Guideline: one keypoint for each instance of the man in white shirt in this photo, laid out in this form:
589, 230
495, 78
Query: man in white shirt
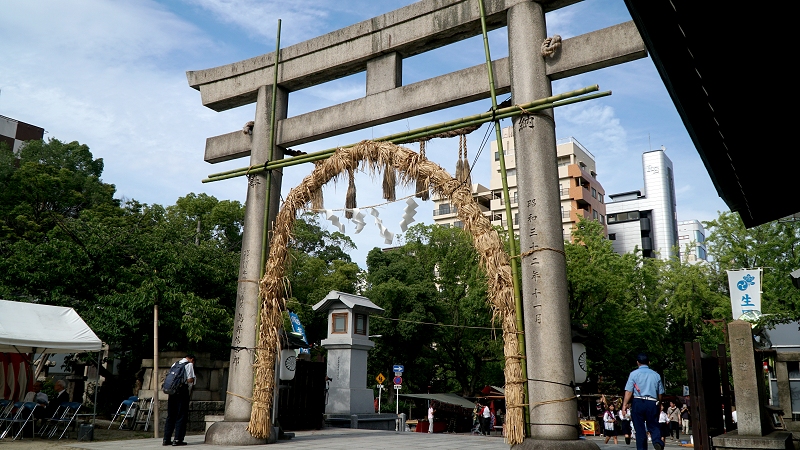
487, 423
36, 394
431, 411
178, 404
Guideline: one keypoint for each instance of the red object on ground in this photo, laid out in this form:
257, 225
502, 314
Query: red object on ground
438, 427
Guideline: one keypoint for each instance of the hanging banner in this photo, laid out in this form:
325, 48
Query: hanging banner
297, 327
745, 288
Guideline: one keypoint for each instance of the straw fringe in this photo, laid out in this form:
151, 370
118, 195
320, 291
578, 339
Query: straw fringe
389, 183
317, 200
375, 156
467, 176
350, 199
422, 187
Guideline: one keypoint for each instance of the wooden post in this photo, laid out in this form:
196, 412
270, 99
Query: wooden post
154, 377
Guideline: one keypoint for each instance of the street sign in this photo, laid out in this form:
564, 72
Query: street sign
398, 380
380, 378
397, 368
397, 387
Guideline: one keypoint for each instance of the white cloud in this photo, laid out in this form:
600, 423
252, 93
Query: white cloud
259, 18
598, 125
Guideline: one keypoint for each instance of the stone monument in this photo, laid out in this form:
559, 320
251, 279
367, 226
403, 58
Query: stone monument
349, 402
755, 428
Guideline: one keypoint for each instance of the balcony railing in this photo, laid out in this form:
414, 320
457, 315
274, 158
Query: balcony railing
444, 212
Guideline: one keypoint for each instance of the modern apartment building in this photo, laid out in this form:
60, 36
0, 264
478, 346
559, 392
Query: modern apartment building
581, 193
14, 133
646, 219
691, 241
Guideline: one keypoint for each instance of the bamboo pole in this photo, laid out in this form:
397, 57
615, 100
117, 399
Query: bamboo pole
154, 376
419, 133
272, 151
512, 241
462, 122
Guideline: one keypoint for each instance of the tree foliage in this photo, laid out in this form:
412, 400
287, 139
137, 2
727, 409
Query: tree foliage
628, 304
65, 241
319, 263
434, 278
775, 246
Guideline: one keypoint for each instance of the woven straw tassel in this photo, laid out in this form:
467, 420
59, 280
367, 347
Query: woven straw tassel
460, 164
317, 200
350, 200
389, 183
467, 176
422, 188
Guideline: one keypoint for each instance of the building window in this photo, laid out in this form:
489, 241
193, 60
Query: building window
339, 323
360, 326
516, 219
612, 236
602, 219
623, 217
458, 224
600, 197
595, 216
594, 193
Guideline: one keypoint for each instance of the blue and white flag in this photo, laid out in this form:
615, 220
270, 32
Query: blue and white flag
297, 327
745, 288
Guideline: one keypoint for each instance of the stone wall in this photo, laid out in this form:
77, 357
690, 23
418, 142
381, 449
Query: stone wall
208, 394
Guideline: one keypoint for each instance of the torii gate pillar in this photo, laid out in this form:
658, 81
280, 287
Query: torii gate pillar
233, 430
548, 335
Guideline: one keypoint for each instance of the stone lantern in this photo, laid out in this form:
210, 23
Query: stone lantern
347, 344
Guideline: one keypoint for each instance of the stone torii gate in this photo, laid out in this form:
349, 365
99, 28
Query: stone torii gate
378, 47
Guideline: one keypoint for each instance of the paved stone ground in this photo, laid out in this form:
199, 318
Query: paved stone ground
333, 439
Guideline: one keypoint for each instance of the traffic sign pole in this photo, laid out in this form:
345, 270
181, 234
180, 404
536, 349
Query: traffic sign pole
380, 391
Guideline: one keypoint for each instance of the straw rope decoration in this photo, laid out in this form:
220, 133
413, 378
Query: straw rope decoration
373, 157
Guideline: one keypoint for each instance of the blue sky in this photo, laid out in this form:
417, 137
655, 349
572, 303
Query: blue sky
111, 74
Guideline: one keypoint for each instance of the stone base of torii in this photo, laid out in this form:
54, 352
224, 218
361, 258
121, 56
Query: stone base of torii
378, 47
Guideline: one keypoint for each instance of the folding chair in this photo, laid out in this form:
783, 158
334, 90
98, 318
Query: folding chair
7, 413
6, 406
143, 413
127, 409
50, 422
23, 415
70, 412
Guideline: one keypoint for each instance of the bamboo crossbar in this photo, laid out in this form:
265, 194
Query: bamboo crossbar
555, 101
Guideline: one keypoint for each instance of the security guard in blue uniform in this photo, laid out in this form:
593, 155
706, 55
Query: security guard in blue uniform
643, 392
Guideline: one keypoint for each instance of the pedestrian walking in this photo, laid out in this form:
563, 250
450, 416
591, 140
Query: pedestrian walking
431, 411
486, 417
610, 421
674, 416
663, 422
685, 418
625, 425
642, 393
178, 402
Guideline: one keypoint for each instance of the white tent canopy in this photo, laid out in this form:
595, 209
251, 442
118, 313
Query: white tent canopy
35, 328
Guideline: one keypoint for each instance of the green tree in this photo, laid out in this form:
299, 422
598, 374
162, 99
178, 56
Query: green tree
47, 183
436, 278
613, 300
319, 263
775, 246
